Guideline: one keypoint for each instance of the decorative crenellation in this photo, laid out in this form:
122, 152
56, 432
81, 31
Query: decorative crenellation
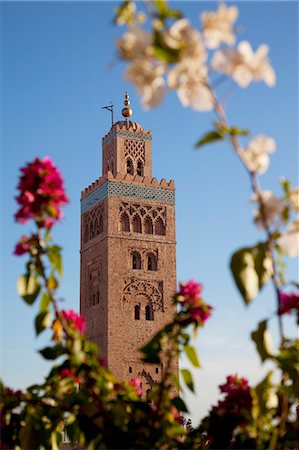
147, 189
93, 222
137, 291
129, 130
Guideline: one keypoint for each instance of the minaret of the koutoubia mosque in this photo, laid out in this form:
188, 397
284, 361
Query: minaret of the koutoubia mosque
128, 252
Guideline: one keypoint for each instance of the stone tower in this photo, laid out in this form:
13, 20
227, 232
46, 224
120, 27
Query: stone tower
128, 252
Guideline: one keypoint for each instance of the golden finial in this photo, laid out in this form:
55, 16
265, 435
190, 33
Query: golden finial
126, 111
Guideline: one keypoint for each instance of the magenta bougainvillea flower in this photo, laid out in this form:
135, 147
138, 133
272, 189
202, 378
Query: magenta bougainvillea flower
135, 382
41, 193
238, 398
74, 319
189, 298
190, 290
288, 302
23, 246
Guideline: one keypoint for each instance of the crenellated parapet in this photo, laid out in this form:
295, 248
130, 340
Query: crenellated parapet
127, 129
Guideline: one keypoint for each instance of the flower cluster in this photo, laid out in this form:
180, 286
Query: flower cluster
69, 373
177, 56
136, 383
238, 399
288, 302
74, 320
193, 306
256, 155
23, 246
41, 193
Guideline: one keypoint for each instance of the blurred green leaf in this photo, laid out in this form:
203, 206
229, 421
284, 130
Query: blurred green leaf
42, 321
251, 268
52, 283
187, 377
179, 404
54, 253
52, 352
28, 287
265, 394
262, 340
166, 54
234, 131
192, 355
208, 138
44, 302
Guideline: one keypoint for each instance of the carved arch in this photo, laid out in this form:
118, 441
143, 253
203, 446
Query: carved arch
143, 288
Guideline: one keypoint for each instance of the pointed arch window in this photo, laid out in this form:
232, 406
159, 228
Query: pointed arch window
139, 168
91, 231
149, 314
137, 312
137, 228
97, 228
136, 261
148, 226
124, 222
160, 227
130, 168
151, 262
101, 224
86, 233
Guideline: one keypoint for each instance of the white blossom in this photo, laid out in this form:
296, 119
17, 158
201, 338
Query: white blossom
244, 65
289, 241
147, 76
294, 199
135, 43
189, 81
190, 73
256, 155
217, 27
272, 207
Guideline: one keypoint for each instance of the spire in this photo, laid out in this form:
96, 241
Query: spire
126, 111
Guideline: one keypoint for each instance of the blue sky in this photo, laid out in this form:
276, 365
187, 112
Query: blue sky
59, 67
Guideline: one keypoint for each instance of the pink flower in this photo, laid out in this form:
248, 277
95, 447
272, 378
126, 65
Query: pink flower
23, 246
233, 384
66, 373
288, 302
135, 382
41, 193
74, 319
190, 290
201, 313
238, 401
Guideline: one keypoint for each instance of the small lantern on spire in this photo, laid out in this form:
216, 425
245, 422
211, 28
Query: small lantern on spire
126, 111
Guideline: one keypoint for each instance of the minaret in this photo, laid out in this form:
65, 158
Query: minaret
128, 252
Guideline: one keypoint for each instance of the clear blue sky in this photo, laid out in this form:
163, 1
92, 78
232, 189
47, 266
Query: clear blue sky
59, 67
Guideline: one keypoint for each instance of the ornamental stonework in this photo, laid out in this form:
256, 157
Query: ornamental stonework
152, 292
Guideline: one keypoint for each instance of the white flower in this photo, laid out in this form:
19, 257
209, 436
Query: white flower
272, 207
244, 65
135, 43
148, 79
189, 81
256, 155
218, 26
183, 37
289, 241
294, 199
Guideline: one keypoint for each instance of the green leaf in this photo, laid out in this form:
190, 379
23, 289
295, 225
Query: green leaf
54, 254
244, 273
234, 131
44, 302
192, 355
265, 394
52, 282
42, 321
166, 54
187, 377
208, 138
52, 352
262, 340
251, 268
179, 404
28, 287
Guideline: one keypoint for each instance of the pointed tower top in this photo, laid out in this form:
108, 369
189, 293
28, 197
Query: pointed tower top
126, 111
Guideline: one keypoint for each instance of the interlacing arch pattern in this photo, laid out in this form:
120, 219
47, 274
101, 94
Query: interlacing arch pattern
134, 157
145, 219
143, 289
93, 223
109, 163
